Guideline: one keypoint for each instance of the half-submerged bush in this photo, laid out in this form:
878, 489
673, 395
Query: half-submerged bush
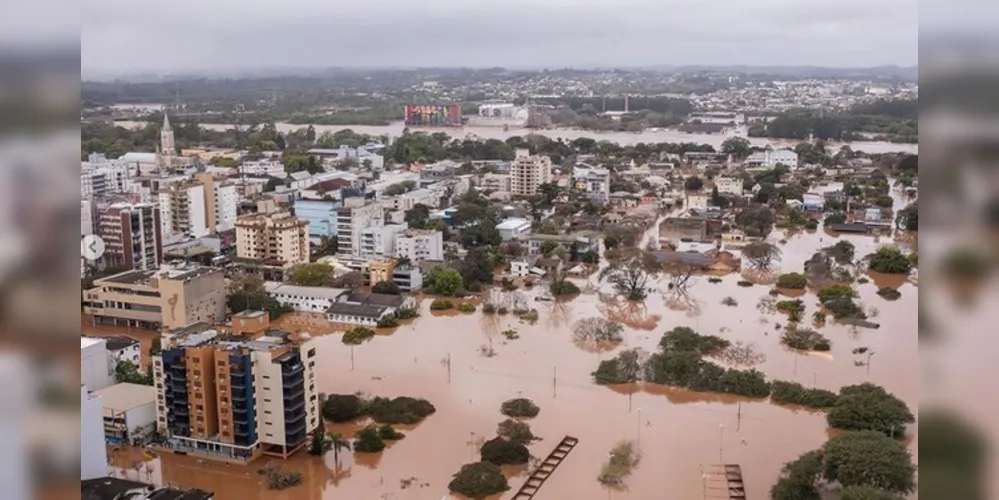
625, 368
621, 460
520, 408
744, 283
890, 260
441, 305
563, 287
280, 479
479, 480
339, 408
466, 307
357, 335
869, 407
502, 452
793, 393
407, 313
488, 308
368, 440
792, 281
515, 431
805, 339
388, 321
387, 433
889, 293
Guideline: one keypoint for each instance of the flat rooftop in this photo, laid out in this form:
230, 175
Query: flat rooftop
319, 292
124, 397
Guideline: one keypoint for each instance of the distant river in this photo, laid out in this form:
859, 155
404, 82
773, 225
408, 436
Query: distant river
623, 138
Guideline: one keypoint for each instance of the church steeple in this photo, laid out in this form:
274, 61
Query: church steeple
167, 149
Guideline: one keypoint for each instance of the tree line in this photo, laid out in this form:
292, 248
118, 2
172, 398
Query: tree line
889, 120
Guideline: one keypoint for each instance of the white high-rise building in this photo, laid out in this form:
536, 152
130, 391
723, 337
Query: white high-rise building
93, 449
95, 365
352, 220
183, 211
527, 172
419, 245
226, 203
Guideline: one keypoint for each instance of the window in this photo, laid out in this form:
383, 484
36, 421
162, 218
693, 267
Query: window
267, 376
267, 401
312, 352
267, 412
201, 419
199, 407
221, 363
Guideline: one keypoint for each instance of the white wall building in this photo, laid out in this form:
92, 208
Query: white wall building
129, 412
351, 220
420, 244
513, 228
594, 181
770, 158
729, 185
86, 217
495, 182
93, 452
304, 298
183, 211
226, 204
263, 167
697, 201
379, 241
527, 172
95, 366
123, 348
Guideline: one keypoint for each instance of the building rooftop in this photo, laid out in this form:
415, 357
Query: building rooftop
513, 224
360, 310
109, 488
177, 494
124, 397
86, 342
119, 342
321, 292
379, 299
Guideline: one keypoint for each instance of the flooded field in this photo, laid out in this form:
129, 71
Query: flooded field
676, 431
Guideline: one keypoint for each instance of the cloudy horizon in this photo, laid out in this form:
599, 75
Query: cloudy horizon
122, 37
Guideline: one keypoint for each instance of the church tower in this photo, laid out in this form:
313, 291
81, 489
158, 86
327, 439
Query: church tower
167, 148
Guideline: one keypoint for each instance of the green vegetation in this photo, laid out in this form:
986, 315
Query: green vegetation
478, 480
502, 452
792, 281
368, 440
793, 308
520, 408
625, 368
386, 287
339, 408
839, 300
795, 394
313, 274
444, 281
388, 321
466, 307
515, 431
387, 433
407, 313
357, 335
889, 293
805, 339
869, 466
890, 260
441, 305
562, 288
869, 407
125, 372
893, 120
246, 293
280, 479
621, 460
488, 308
683, 338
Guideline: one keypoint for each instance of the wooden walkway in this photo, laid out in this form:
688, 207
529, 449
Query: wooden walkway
545, 470
723, 482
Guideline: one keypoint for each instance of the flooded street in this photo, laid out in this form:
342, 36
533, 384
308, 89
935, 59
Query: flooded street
677, 431
622, 138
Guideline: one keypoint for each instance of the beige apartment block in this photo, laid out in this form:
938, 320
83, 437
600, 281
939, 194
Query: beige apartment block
279, 239
527, 172
169, 297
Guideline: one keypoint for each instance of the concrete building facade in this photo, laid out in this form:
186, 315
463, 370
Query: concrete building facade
279, 239
132, 235
418, 245
527, 172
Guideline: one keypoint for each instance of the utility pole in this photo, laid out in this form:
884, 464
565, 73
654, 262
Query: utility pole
638, 441
554, 381
869, 354
351, 358
721, 443
449, 367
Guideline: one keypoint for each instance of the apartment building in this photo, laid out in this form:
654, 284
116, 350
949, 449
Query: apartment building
132, 235
593, 181
320, 214
270, 168
495, 182
527, 172
419, 244
233, 399
221, 201
278, 239
729, 185
169, 297
379, 241
100, 175
352, 219
86, 217
770, 158
183, 208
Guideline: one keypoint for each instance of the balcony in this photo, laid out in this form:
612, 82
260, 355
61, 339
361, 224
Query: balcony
291, 407
293, 370
293, 393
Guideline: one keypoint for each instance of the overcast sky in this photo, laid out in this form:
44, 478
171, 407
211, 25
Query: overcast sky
146, 36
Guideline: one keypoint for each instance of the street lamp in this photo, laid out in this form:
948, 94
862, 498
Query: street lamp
639, 440
721, 443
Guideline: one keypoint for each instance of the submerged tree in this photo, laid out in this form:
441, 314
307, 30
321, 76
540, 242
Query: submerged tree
596, 331
630, 278
761, 254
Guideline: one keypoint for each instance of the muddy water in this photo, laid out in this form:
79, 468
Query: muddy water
677, 431
623, 138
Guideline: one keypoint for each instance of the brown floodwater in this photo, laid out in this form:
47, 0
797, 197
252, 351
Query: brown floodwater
678, 432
